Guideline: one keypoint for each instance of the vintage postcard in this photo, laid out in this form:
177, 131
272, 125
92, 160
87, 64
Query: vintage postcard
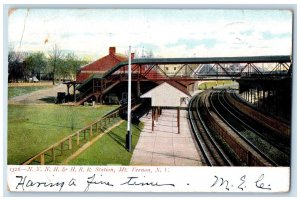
149, 100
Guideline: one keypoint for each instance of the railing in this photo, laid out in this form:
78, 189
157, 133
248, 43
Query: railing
91, 129
85, 94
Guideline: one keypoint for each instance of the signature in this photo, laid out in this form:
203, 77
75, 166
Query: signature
221, 182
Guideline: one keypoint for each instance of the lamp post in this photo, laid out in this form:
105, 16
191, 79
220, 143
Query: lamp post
128, 135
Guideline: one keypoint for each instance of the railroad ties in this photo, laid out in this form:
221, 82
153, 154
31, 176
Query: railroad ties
228, 137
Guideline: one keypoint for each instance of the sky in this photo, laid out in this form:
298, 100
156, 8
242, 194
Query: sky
165, 32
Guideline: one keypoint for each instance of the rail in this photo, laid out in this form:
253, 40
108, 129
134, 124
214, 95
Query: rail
279, 127
205, 140
221, 153
263, 133
197, 135
242, 136
85, 94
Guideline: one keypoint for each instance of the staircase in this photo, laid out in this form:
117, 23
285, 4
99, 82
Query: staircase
86, 98
107, 89
89, 93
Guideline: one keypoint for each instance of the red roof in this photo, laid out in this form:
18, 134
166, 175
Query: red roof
82, 76
101, 65
104, 64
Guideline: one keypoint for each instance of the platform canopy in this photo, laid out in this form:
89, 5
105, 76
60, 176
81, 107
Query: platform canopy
165, 95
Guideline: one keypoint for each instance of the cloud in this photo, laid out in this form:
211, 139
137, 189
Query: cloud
248, 32
267, 35
192, 43
182, 33
147, 46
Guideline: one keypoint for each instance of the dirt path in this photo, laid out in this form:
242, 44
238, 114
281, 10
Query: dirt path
43, 96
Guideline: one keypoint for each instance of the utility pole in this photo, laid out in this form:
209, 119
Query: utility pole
128, 135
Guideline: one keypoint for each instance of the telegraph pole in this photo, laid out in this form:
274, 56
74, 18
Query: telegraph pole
128, 135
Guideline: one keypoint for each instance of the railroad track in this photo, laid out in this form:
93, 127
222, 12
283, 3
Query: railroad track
251, 136
276, 127
262, 131
211, 152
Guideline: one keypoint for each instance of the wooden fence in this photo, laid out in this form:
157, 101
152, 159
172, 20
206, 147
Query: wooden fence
89, 130
29, 84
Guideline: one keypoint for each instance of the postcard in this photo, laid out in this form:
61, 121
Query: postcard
149, 100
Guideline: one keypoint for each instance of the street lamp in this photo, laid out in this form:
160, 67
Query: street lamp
128, 135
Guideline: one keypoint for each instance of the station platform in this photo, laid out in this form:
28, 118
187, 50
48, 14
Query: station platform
165, 146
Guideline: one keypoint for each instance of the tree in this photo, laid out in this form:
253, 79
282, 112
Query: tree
55, 58
15, 65
35, 64
73, 64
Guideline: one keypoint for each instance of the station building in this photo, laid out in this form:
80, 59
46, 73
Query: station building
92, 85
101, 65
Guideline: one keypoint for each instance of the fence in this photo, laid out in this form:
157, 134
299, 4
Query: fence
79, 136
29, 84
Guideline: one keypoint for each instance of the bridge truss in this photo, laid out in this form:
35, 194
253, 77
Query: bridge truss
186, 71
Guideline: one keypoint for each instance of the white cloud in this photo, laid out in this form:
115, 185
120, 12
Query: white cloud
94, 31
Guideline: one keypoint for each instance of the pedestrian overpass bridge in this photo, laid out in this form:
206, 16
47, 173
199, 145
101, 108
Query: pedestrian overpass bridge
185, 71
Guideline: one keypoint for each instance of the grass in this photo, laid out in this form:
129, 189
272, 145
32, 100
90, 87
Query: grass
17, 91
110, 149
211, 84
61, 157
32, 128
272, 152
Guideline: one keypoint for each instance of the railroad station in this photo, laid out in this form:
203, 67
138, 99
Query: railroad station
161, 99
195, 111
244, 123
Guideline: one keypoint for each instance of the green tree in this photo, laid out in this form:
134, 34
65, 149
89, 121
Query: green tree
73, 64
55, 60
16, 69
36, 64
